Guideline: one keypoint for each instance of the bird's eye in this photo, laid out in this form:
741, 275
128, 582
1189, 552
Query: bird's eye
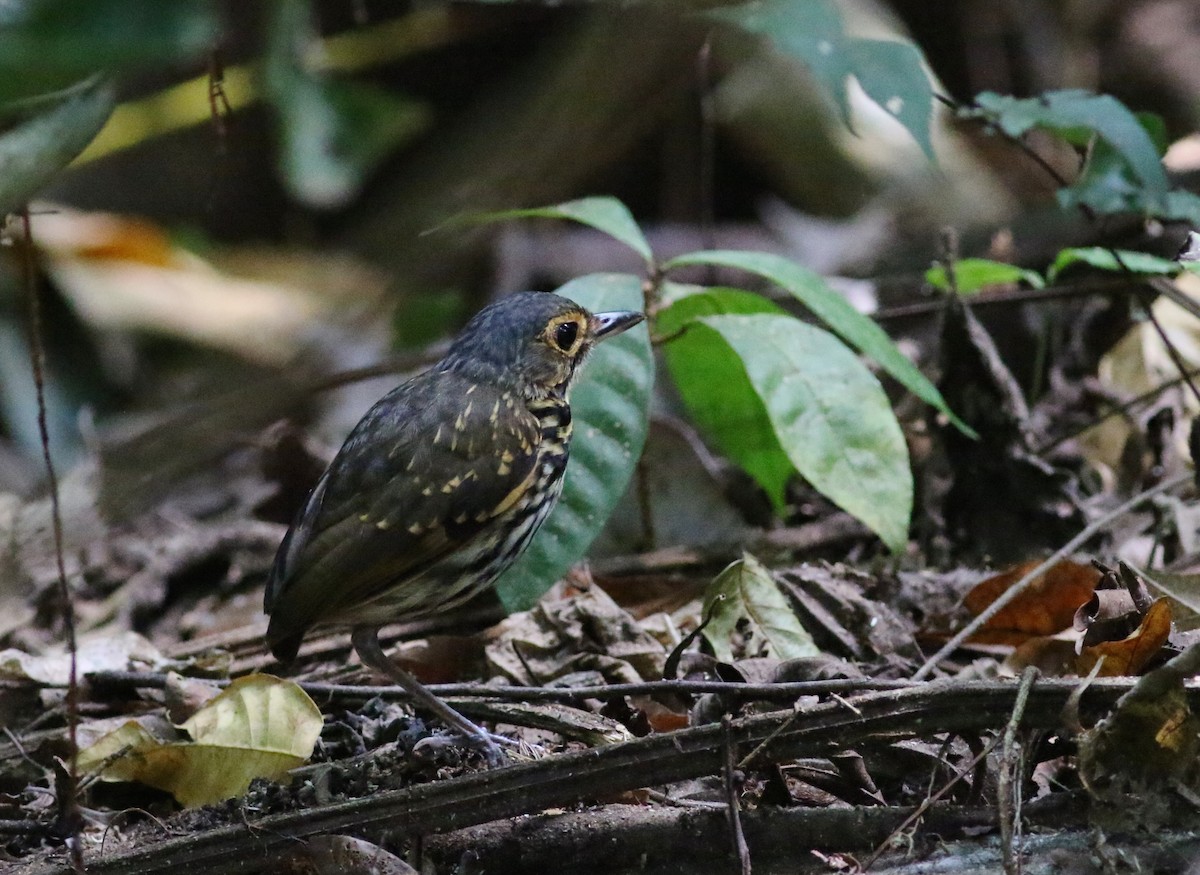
565, 335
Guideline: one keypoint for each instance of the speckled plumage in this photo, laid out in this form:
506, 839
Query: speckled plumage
445, 480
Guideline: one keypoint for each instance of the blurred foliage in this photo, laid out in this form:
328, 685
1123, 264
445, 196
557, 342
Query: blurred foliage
557, 125
1122, 171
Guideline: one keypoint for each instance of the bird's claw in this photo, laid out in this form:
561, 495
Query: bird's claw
486, 743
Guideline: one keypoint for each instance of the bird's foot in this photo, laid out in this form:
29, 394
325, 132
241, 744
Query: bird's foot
487, 743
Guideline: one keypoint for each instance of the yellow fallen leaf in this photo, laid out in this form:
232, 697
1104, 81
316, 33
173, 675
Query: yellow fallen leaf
259, 727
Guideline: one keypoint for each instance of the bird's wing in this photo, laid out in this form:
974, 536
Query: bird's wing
415, 480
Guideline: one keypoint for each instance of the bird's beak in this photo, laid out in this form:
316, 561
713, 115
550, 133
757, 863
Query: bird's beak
611, 324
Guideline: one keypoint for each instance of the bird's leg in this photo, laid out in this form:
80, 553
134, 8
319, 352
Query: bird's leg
366, 643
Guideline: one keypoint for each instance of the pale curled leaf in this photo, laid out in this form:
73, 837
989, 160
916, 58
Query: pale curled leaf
97, 652
610, 414
259, 727
746, 589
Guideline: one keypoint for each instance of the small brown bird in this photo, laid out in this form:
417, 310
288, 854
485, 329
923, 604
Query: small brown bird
440, 487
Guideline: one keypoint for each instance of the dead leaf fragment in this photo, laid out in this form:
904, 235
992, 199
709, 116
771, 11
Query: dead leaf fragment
580, 630
100, 651
343, 855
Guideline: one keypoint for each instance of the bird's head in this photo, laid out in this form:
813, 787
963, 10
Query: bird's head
532, 342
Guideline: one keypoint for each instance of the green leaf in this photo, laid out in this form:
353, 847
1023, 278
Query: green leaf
1102, 258
333, 134
610, 409
834, 310
1077, 116
893, 75
890, 72
746, 590
713, 385
1107, 183
605, 214
830, 414
810, 31
47, 44
973, 274
36, 149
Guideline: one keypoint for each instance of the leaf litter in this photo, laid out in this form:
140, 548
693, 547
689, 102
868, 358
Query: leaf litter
193, 567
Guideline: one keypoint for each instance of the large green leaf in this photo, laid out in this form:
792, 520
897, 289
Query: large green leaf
35, 150
830, 414
712, 382
835, 311
606, 214
610, 410
808, 30
746, 590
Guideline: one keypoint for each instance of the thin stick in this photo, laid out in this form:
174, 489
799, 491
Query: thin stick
1023, 584
1008, 791
733, 810
72, 817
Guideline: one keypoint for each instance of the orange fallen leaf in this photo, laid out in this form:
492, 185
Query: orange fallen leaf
1129, 655
1046, 607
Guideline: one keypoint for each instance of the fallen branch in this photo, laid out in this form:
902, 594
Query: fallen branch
567, 779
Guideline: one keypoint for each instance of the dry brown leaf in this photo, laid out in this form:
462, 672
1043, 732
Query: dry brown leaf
1046, 607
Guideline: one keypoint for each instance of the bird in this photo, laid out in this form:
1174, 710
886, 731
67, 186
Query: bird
439, 487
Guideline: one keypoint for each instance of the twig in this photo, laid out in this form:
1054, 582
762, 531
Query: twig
122, 680
71, 818
1021, 585
834, 529
733, 809
1013, 297
1008, 792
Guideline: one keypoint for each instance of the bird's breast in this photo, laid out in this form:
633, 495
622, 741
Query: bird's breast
553, 416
